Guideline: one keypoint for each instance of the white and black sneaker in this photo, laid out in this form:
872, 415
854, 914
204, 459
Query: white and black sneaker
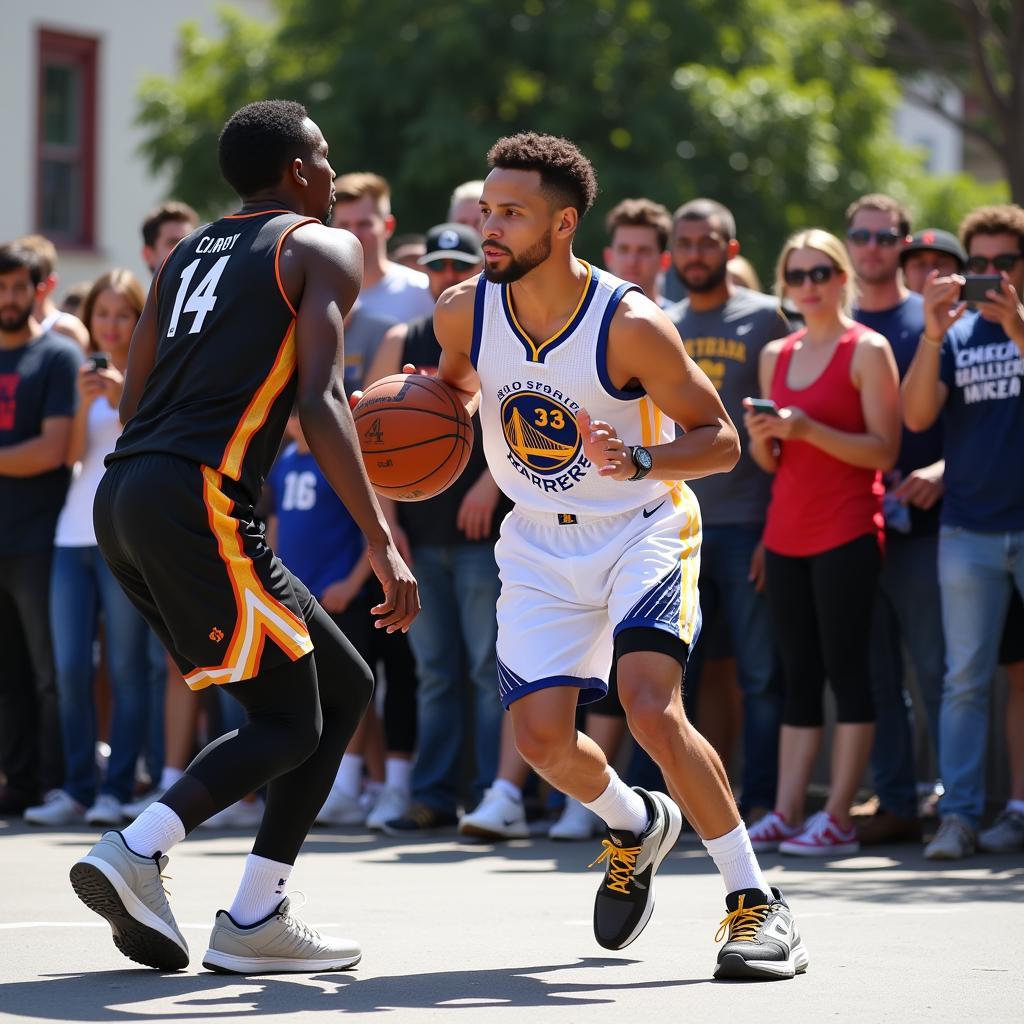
625, 900
762, 940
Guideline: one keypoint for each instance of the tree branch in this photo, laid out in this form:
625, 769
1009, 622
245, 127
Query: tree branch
934, 104
977, 21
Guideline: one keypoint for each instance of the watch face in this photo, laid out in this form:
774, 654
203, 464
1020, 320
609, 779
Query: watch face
642, 457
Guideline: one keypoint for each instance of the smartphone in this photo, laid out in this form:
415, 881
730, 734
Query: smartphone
100, 361
976, 285
763, 405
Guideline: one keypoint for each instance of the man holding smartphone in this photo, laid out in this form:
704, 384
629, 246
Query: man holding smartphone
907, 611
971, 369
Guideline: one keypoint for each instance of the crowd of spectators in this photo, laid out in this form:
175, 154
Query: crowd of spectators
875, 522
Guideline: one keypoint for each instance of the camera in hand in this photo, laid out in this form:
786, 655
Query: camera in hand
99, 361
976, 286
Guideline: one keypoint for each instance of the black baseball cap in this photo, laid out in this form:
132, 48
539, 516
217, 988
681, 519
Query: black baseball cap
453, 242
935, 240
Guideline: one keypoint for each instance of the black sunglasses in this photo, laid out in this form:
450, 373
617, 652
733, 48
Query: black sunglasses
1004, 263
861, 236
439, 265
818, 275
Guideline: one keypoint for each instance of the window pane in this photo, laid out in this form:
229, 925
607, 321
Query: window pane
61, 199
62, 104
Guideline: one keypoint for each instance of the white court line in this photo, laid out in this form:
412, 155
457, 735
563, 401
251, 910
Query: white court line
14, 925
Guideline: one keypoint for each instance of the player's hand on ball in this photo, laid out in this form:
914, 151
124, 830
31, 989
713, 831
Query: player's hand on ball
401, 602
604, 448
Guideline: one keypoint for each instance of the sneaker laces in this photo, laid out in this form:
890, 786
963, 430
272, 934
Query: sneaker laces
742, 923
621, 864
817, 826
296, 925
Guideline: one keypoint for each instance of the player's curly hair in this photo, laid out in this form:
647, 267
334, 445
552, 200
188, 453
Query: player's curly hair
567, 176
993, 220
259, 141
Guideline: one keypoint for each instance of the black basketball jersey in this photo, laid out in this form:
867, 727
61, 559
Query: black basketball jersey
224, 379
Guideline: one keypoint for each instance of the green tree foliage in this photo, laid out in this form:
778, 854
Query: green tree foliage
776, 108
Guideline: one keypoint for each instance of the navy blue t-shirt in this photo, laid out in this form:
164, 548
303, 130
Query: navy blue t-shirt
37, 382
902, 326
316, 537
984, 421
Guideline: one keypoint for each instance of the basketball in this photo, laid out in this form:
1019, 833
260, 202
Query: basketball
414, 434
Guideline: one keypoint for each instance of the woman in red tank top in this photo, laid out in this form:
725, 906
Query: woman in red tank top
836, 392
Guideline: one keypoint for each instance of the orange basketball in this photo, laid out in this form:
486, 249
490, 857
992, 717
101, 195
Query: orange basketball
415, 436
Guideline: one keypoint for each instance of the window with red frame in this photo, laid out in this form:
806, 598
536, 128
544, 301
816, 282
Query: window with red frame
66, 149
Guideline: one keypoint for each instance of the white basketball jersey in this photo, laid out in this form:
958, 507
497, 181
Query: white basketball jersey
531, 393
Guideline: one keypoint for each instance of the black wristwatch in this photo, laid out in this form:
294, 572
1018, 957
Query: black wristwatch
642, 460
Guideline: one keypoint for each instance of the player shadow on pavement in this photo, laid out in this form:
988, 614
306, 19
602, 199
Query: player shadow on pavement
123, 995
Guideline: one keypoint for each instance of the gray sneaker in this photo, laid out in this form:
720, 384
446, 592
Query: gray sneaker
279, 944
126, 889
953, 841
1005, 836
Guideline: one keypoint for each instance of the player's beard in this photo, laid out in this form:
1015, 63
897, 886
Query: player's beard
329, 215
519, 266
715, 277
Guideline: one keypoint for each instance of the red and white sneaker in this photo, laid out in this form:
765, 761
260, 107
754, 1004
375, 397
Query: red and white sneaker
767, 832
821, 837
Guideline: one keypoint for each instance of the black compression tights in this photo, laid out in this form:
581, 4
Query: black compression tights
301, 716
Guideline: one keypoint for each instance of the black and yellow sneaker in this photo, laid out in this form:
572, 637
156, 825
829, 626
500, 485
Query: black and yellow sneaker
763, 941
625, 900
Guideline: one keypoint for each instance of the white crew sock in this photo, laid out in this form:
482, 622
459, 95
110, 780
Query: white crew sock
736, 861
169, 776
350, 775
620, 806
1015, 805
156, 830
398, 773
509, 789
260, 891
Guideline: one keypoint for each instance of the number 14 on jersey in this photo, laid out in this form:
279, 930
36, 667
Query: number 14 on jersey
201, 301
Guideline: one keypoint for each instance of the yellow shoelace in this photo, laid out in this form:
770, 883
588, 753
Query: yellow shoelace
742, 923
165, 878
621, 864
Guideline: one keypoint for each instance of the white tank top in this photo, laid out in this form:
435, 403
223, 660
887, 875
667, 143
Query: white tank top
530, 394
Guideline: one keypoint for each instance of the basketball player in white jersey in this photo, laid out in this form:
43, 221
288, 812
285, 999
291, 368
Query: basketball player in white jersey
581, 379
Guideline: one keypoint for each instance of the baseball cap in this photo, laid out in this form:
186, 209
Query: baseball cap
935, 240
452, 242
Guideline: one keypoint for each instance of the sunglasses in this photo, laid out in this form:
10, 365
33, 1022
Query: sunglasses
440, 265
1004, 263
861, 236
817, 275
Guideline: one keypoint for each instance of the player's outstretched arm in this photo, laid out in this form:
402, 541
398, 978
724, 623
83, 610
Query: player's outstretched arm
453, 327
324, 267
644, 348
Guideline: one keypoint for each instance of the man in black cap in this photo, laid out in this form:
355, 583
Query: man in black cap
928, 250
451, 538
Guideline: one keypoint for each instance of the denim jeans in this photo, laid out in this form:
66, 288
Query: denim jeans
976, 572
452, 637
908, 611
156, 697
725, 590
81, 586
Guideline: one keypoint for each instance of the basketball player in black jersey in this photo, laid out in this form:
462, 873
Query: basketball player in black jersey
243, 320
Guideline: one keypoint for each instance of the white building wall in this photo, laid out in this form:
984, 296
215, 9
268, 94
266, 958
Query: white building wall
921, 127
136, 38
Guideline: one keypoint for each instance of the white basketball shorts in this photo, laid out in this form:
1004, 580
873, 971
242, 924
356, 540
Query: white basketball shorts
569, 588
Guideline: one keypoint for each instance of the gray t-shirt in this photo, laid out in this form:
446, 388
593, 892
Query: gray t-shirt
402, 293
726, 344
363, 334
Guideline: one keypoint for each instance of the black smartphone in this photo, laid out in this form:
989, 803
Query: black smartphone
976, 285
100, 361
763, 405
